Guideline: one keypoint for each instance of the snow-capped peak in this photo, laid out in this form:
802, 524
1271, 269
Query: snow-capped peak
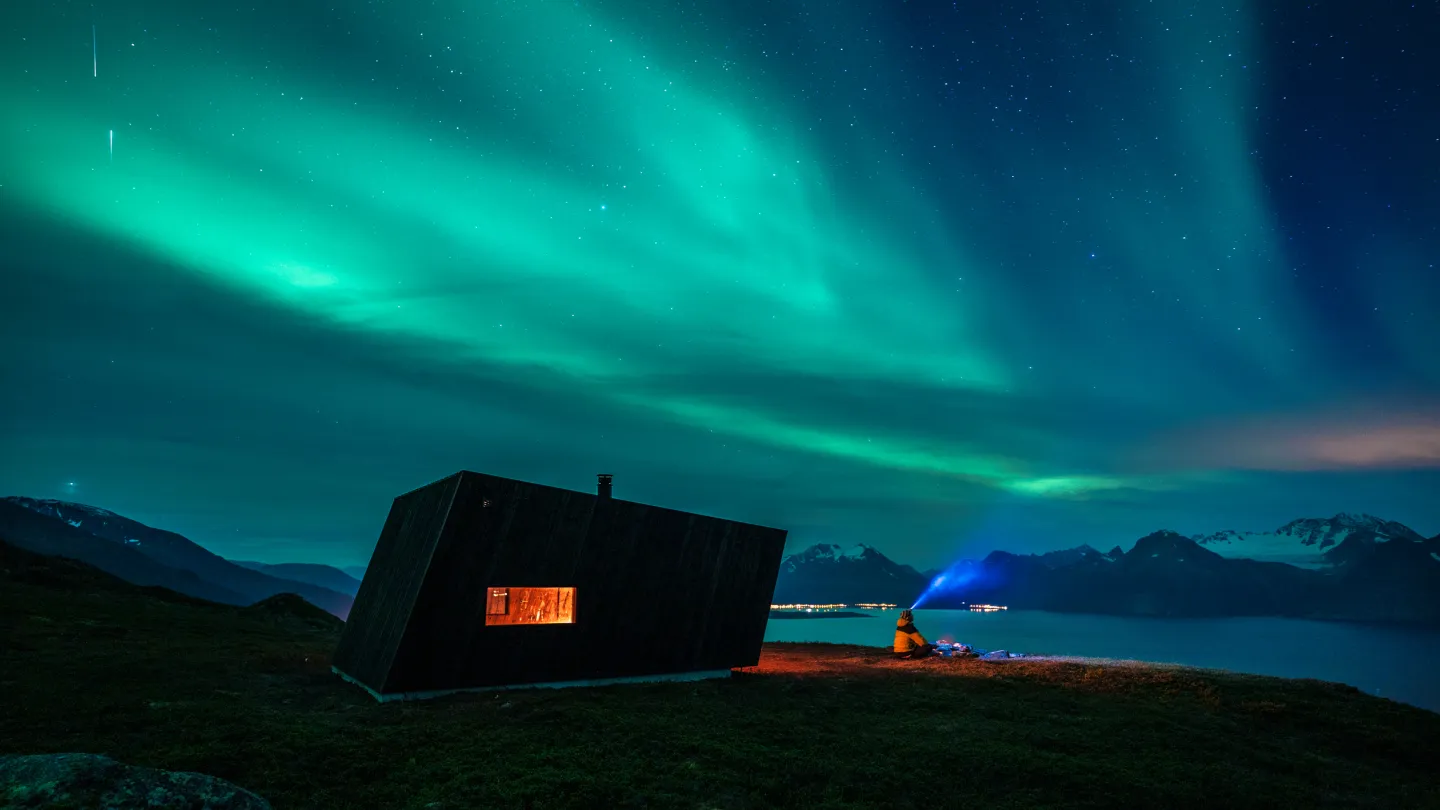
75, 514
1304, 542
58, 508
830, 552
1327, 532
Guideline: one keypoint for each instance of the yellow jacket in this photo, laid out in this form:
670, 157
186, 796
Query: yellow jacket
907, 638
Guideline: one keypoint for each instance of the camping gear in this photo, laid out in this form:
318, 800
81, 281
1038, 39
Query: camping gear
955, 649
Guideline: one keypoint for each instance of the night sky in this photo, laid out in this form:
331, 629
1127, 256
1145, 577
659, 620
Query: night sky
938, 277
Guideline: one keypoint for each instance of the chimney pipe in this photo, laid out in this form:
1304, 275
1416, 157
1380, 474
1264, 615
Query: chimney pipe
605, 484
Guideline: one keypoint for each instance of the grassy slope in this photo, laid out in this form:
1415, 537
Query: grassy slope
246, 694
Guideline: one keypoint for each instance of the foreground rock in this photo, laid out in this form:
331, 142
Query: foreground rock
94, 781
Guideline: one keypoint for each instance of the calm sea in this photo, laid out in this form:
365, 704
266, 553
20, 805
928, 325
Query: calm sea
1385, 661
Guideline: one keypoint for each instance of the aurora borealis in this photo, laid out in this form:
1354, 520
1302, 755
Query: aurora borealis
937, 277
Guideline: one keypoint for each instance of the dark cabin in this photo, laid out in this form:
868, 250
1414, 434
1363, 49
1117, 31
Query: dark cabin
482, 582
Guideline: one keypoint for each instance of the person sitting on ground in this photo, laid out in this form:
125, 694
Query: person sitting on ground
908, 641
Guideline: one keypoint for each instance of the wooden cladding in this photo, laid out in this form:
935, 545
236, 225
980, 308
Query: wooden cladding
665, 591
530, 606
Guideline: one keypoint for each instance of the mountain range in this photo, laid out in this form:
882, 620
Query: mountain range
1349, 567
1307, 542
827, 573
144, 555
323, 576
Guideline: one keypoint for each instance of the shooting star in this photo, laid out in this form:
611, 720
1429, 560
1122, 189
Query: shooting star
94, 53
112, 146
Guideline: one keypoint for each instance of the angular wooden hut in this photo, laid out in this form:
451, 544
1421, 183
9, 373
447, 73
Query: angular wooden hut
486, 582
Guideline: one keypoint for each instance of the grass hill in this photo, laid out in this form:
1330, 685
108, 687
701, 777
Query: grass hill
94, 664
43, 534
171, 550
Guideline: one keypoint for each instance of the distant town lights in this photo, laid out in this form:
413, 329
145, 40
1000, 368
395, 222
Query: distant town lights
836, 606
872, 606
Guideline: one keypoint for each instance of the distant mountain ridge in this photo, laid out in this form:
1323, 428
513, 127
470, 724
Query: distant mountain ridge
1073, 556
1306, 542
222, 580
827, 573
43, 534
1353, 568
325, 576
1163, 574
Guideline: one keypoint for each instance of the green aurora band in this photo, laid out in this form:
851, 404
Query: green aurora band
589, 204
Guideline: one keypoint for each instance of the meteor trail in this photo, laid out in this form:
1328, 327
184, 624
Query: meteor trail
112, 146
94, 53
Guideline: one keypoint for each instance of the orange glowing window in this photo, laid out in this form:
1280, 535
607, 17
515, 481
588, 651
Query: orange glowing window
530, 606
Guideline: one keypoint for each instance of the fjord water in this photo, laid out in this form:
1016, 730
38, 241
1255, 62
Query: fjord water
1397, 663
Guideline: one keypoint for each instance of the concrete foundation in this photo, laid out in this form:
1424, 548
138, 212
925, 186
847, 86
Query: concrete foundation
676, 676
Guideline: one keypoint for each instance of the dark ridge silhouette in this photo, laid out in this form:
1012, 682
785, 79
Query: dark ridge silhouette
42, 534
323, 576
179, 552
1367, 577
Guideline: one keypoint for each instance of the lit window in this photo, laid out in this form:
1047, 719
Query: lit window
530, 606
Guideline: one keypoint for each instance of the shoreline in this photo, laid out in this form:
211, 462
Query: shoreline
833, 614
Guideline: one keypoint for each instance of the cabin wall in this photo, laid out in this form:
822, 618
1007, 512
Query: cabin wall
392, 581
657, 591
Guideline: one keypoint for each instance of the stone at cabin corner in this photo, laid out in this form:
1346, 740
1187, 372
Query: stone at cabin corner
99, 782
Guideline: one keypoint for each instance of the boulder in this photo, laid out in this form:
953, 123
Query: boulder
94, 781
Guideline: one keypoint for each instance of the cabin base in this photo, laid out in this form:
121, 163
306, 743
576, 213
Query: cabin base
703, 675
